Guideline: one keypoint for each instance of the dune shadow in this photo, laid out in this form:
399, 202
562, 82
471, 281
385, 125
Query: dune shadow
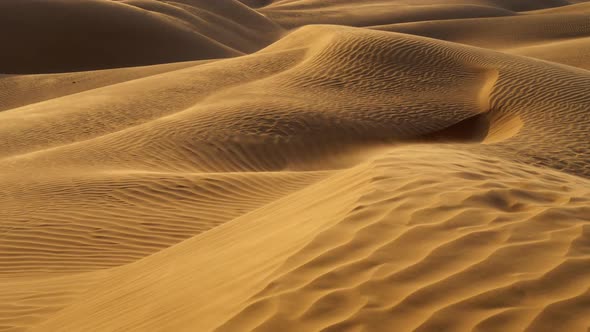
470, 130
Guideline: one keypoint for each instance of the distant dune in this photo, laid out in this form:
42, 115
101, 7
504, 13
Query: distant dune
294, 165
67, 35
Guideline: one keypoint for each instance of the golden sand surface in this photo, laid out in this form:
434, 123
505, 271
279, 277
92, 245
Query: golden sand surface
295, 165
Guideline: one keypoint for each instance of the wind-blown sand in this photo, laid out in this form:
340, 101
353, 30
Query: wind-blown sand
295, 165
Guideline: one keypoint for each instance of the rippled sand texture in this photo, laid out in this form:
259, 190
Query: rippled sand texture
294, 165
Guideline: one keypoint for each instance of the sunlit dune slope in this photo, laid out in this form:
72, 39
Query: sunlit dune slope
304, 100
500, 33
572, 52
420, 238
556, 34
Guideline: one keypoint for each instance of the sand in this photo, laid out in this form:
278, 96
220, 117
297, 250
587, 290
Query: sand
294, 165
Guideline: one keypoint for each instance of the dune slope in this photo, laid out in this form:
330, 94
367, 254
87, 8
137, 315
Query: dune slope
378, 245
427, 169
67, 35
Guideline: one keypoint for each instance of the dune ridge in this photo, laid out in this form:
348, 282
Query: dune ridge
350, 253
296, 165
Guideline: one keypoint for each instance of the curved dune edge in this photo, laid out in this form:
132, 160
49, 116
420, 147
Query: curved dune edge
428, 172
147, 212
381, 240
555, 34
503, 128
308, 99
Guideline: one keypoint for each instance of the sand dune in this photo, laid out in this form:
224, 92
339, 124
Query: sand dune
501, 32
555, 34
21, 90
382, 247
294, 165
100, 34
571, 52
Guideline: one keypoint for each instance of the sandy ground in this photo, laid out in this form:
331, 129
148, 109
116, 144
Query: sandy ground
294, 165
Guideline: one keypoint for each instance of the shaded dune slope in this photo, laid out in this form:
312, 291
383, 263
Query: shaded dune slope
108, 34
557, 34
228, 22
371, 12
351, 14
21, 90
505, 4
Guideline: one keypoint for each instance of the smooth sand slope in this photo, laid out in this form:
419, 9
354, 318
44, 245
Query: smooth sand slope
315, 166
556, 34
98, 34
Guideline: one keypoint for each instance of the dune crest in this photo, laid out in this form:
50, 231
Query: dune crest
382, 247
